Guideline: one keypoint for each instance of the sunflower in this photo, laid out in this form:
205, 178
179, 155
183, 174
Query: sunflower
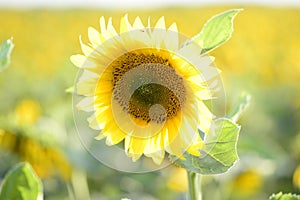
46, 160
145, 88
30, 142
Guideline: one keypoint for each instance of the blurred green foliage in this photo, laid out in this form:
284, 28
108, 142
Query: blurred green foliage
281, 196
21, 183
5, 51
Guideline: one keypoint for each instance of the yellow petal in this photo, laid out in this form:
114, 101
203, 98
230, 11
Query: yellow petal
87, 51
160, 24
188, 131
134, 157
110, 28
137, 145
125, 26
203, 61
172, 128
172, 142
87, 84
86, 104
193, 151
126, 144
173, 27
138, 23
97, 120
195, 147
157, 157
175, 147
171, 39
115, 137
102, 25
94, 37
190, 52
206, 117
149, 23
100, 136
78, 60
204, 94
86, 75
154, 144
128, 149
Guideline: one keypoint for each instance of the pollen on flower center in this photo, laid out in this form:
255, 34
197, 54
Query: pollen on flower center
147, 86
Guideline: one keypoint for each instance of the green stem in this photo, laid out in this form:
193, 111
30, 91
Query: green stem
70, 191
79, 185
194, 181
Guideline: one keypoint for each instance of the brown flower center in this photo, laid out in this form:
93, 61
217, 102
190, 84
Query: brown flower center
147, 86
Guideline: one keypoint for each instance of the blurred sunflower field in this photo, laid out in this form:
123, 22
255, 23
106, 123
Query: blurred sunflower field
36, 120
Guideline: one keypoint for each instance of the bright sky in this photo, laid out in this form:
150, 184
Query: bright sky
138, 3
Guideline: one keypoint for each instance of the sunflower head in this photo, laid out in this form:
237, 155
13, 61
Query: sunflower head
27, 112
145, 88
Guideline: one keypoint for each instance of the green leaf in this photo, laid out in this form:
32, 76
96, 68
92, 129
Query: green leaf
242, 104
216, 31
220, 153
281, 196
21, 183
5, 51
